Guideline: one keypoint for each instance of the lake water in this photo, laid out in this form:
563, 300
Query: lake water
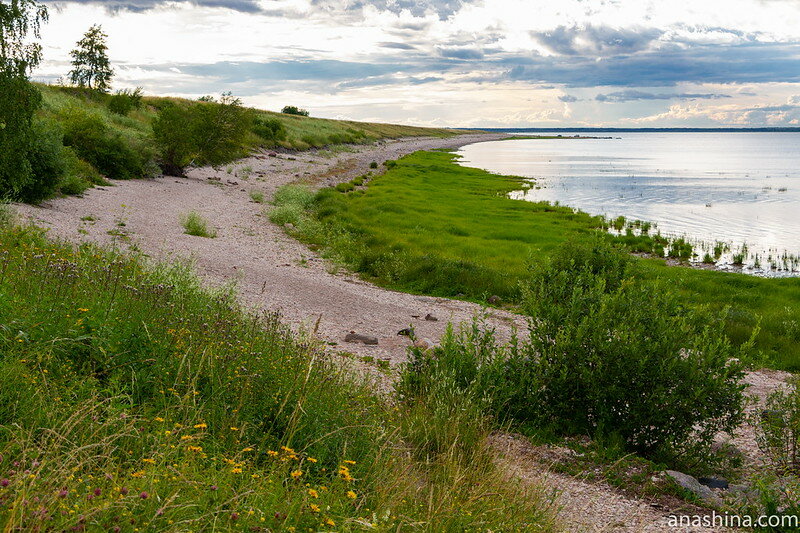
736, 188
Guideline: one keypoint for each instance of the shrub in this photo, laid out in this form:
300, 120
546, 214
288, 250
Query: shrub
47, 160
194, 224
778, 430
124, 101
257, 197
294, 110
18, 104
374, 164
203, 133
607, 355
269, 129
90, 137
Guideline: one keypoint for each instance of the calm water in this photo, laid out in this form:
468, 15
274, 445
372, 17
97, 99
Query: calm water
737, 188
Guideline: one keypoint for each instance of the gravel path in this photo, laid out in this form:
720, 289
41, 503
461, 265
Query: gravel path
271, 269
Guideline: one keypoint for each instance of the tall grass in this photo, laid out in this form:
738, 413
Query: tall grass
132, 398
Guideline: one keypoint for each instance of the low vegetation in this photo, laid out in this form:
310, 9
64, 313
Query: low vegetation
195, 224
611, 355
430, 226
134, 399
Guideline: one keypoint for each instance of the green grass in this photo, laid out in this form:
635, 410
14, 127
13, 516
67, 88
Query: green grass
133, 398
302, 132
431, 226
194, 224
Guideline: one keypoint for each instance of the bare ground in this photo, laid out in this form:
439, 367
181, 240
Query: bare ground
273, 271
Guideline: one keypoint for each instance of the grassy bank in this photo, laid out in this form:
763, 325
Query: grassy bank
132, 398
431, 226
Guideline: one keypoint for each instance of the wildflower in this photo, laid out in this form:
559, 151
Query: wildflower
213, 487
330, 522
98, 491
287, 450
313, 493
349, 462
123, 491
63, 493
4, 482
247, 450
311, 460
148, 460
234, 515
272, 453
296, 474
143, 495
197, 449
201, 425
186, 437
158, 419
351, 494
234, 428
140, 473
236, 470
314, 508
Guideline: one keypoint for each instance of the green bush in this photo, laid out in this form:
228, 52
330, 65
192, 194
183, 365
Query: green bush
120, 103
269, 129
19, 101
203, 133
612, 355
778, 430
47, 159
91, 138
294, 110
608, 355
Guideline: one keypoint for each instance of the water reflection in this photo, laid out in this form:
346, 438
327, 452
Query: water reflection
731, 187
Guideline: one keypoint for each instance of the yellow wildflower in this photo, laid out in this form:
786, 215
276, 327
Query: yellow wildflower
148, 460
313, 493
330, 522
296, 474
351, 494
314, 508
158, 419
349, 462
201, 425
272, 453
236, 470
311, 460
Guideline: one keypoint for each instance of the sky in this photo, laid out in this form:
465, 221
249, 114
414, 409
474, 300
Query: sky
460, 63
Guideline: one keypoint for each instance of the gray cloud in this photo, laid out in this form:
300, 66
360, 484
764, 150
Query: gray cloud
461, 53
746, 63
633, 94
596, 40
398, 46
247, 6
568, 98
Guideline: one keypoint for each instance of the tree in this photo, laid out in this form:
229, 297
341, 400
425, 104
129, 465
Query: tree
91, 67
20, 99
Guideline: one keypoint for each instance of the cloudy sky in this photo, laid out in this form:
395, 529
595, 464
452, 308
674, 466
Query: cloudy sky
513, 63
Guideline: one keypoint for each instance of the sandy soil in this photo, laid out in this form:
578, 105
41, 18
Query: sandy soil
276, 272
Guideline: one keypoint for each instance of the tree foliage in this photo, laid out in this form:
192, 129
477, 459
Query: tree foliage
209, 133
91, 66
19, 20
294, 110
